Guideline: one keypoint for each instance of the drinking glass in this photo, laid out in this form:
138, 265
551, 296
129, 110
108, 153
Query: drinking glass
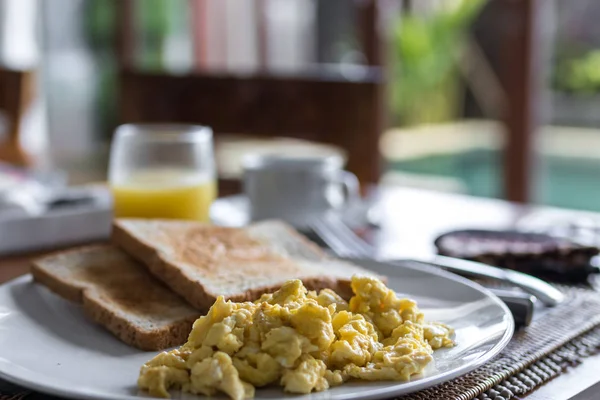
162, 171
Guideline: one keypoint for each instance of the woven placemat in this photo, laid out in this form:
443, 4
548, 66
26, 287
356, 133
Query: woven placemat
553, 342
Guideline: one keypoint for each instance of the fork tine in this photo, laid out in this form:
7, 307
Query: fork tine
354, 244
329, 237
340, 238
333, 239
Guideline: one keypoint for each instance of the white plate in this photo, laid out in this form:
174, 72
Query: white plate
47, 344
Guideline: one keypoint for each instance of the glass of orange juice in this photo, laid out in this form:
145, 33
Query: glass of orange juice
162, 171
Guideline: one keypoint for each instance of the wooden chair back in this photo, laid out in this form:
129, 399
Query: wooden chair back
16, 95
328, 110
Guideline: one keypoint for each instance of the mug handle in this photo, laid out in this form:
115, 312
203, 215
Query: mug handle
350, 185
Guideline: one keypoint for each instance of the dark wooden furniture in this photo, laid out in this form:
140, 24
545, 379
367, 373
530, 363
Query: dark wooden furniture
321, 108
16, 95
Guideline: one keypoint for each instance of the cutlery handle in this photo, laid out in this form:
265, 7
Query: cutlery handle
521, 305
546, 293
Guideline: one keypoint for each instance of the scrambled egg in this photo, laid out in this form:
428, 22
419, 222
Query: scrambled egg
305, 341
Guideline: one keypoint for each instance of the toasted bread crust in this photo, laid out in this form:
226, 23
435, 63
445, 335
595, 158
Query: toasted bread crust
150, 340
99, 311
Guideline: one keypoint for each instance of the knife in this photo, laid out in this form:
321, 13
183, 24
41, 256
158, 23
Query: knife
546, 293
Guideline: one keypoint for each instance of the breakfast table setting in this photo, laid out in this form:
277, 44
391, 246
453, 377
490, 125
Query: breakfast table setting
517, 285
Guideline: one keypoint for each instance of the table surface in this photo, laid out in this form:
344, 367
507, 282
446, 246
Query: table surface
412, 218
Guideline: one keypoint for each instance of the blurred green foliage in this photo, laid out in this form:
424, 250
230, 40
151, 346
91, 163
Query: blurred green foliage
579, 75
424, 81
153, 26
100, 28
154, 19
100, 23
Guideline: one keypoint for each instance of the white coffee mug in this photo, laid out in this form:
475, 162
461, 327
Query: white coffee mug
297, 189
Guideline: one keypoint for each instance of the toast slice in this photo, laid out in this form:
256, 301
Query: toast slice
119, 294
201, 261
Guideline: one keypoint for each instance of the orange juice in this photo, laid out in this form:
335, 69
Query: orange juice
177, 194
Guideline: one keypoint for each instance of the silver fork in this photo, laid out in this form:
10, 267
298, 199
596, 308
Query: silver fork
340, 238
345, 243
